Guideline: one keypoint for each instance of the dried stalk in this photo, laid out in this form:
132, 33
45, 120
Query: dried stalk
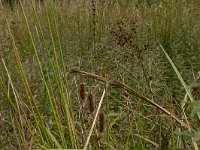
130, 90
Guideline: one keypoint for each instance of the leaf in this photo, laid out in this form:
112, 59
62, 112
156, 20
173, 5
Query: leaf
54, 140
197, 135
194, 85
195, 108
112, 114
184, 133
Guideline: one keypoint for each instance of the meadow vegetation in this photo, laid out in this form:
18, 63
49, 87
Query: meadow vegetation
100, 74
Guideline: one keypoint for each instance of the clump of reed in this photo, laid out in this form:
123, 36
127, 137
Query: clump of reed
93, 114
90, 33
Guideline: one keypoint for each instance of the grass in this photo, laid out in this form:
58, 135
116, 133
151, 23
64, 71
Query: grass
139, 63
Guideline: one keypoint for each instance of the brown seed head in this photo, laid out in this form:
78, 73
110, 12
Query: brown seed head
91, 102
82, 91
102, 121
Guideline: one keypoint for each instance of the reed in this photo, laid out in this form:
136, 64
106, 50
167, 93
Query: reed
145, 55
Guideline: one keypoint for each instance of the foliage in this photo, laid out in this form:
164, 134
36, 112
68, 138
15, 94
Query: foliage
140, 50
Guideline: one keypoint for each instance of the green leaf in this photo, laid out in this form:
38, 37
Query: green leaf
112, 114
197, 136
195, 108
184, 133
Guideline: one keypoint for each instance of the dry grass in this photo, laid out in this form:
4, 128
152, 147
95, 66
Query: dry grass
111, 45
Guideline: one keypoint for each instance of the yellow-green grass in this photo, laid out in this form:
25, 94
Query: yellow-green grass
146, 54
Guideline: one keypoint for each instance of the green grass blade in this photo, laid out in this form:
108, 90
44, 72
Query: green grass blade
187, 89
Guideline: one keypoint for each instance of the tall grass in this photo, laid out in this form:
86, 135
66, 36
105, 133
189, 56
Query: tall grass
134, 52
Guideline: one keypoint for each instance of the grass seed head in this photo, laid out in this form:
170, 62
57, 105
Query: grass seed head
91, 102
82, 91
102, 121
